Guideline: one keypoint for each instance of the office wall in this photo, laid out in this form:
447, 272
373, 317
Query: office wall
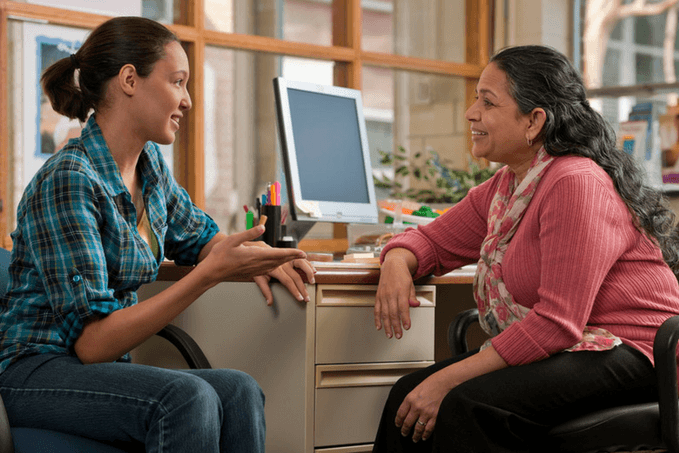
547, 22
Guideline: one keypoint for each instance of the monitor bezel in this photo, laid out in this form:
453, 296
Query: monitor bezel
349, 212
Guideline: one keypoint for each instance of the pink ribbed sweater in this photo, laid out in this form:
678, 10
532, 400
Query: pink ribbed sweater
575, 259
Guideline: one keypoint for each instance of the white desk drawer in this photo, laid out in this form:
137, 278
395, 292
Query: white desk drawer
345, 328
350, 399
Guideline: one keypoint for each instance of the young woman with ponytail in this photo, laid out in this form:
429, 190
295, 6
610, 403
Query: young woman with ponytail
94, 225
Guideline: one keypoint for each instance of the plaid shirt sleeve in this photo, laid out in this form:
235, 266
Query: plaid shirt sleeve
62, 232
188, 227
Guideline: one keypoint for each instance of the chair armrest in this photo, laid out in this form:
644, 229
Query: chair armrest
6, 442
186, 345
665, 355
457, 331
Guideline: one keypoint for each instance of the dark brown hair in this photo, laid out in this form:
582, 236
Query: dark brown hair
78, 84
542, 77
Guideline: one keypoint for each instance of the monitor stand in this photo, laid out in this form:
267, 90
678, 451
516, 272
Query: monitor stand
298, 229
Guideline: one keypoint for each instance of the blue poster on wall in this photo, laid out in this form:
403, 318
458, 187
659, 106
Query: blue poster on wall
53, 130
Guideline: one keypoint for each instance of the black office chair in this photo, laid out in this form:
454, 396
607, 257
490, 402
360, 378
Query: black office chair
32, 440
650, 426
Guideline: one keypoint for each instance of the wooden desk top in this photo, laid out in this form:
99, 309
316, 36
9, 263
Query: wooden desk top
339, 274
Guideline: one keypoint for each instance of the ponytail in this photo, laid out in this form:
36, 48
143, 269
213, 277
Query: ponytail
59, 84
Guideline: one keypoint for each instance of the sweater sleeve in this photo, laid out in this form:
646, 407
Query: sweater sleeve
583, 230
453, 239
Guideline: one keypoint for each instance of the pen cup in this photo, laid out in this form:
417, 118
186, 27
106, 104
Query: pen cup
285, 241
273, 224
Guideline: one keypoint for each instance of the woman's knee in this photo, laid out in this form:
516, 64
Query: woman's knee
234, 388
401, 389
463, 404
191, 395
247, 388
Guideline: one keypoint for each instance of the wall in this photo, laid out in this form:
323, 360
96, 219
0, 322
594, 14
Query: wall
547, 22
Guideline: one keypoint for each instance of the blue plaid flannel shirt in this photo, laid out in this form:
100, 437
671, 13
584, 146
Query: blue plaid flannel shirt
77, 252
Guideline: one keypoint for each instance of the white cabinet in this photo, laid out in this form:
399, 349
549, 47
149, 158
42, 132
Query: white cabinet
324, 368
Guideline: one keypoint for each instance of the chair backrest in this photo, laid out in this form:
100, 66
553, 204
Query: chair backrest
4, 270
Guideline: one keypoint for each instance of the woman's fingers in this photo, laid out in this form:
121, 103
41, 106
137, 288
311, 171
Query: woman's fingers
423, 428
411, 419
247, 235
306, 267
429, 428
392, 310
263, 282
289, 278
395, 289
267, 259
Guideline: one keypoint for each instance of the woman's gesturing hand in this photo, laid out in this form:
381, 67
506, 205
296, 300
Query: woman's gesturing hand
232, 257
395, 292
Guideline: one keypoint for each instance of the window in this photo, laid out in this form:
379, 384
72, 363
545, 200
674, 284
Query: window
236, 47
630, 58
632, 44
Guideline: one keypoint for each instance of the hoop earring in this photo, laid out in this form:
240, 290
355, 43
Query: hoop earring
529, 141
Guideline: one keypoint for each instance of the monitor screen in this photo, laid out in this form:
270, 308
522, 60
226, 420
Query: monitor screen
325, 152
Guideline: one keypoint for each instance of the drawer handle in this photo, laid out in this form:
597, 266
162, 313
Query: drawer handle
338, 376
366, 298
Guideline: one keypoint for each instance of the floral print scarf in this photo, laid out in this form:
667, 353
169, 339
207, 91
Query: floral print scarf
497, 308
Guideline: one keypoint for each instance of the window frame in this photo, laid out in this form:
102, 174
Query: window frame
189, 156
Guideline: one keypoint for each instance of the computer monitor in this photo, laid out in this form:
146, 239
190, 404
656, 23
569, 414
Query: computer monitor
325, 153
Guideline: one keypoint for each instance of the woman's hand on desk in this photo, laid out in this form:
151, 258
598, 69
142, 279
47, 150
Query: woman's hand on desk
287, 275
395, 292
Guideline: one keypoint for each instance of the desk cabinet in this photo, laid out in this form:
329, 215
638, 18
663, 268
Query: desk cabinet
355, 365
326, 372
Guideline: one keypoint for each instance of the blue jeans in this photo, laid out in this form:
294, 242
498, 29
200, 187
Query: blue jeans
165, 410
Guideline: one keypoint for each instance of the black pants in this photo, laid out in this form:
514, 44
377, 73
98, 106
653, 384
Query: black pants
510, 410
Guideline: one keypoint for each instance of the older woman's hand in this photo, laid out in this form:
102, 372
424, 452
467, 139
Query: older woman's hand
395, 292
418, 412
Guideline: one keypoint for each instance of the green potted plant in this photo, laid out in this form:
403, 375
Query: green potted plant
447, 186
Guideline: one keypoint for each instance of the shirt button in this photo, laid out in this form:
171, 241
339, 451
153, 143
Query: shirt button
76, 278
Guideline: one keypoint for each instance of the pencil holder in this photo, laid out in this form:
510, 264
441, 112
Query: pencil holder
273, 224
285, 241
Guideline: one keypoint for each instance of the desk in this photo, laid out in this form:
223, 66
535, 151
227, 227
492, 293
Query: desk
324, 369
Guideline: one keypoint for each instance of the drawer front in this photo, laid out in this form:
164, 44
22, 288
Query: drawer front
345, 328
350, 399
348, 335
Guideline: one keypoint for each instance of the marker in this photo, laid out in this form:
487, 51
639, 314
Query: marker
249, 220
278, 193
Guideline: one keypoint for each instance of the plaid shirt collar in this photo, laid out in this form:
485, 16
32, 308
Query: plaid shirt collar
103, 163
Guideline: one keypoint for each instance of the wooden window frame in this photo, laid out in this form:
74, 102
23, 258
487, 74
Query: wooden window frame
346, 50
